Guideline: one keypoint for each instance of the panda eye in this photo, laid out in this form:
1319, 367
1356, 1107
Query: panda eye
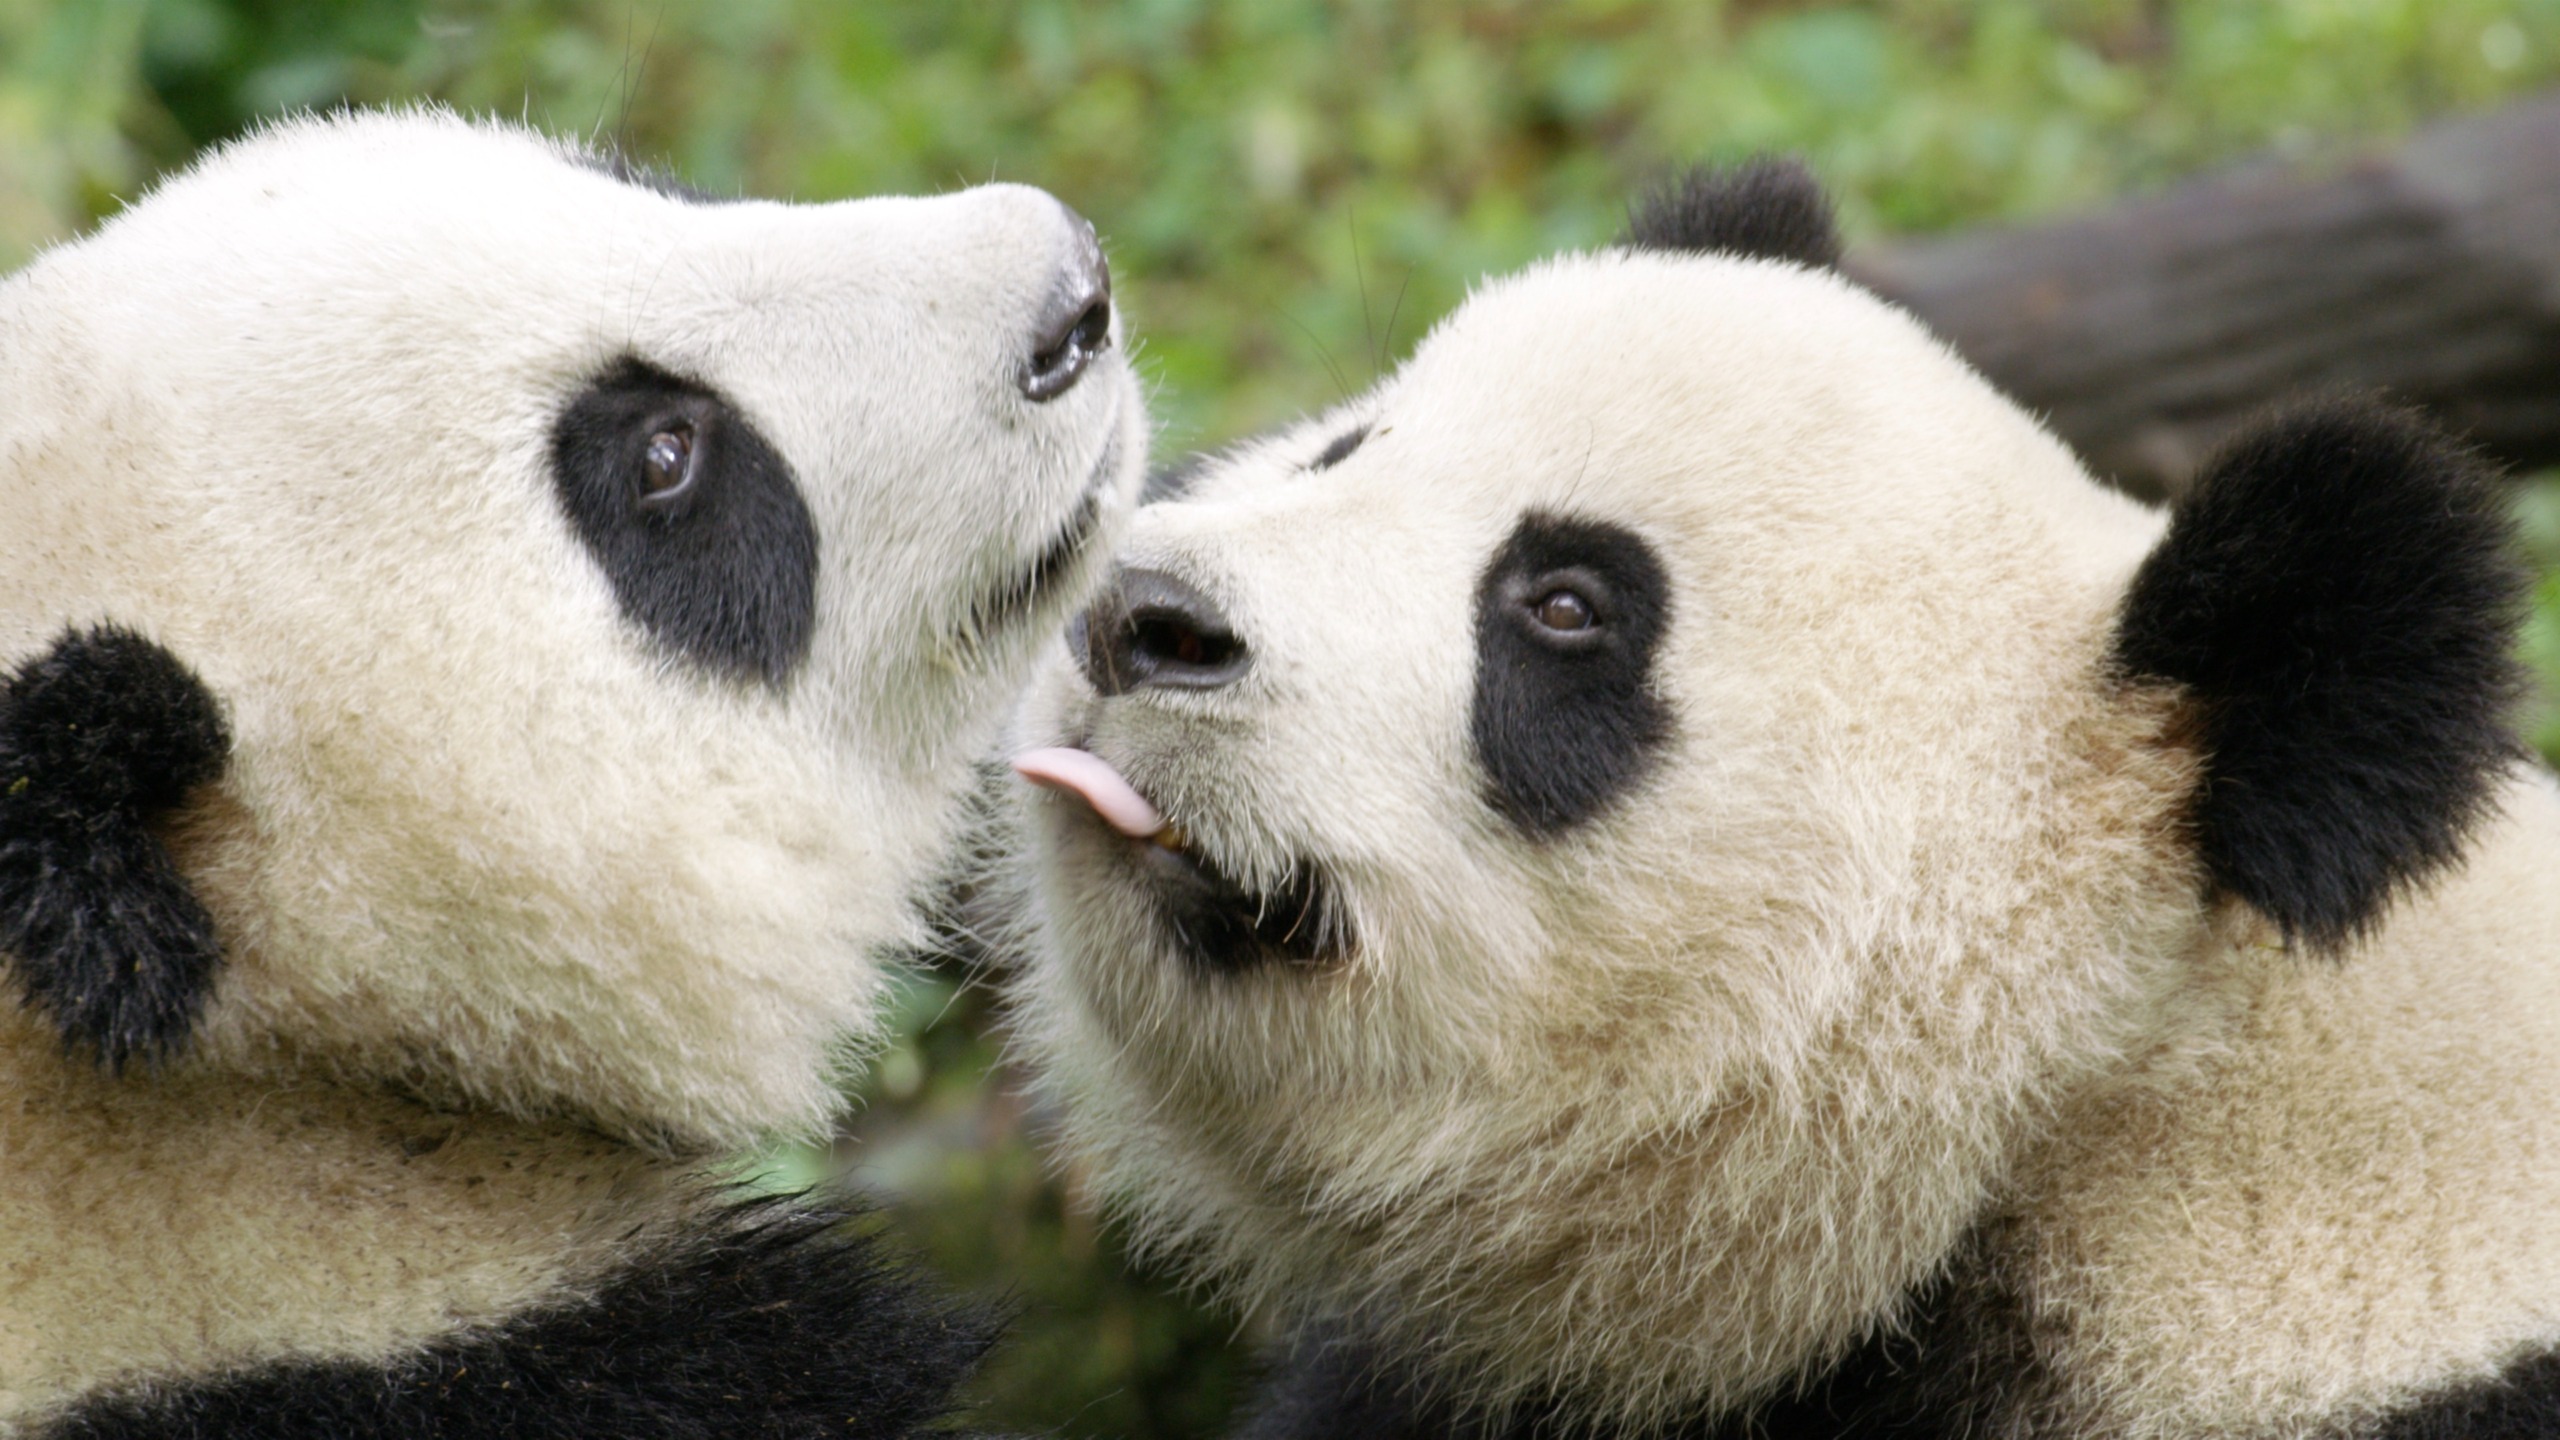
666, 468
1564, 611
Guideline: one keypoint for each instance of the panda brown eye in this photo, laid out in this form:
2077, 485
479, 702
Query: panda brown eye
1563, 610
666, 467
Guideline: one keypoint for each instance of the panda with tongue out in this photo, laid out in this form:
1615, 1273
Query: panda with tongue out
1678, 867
1210, 914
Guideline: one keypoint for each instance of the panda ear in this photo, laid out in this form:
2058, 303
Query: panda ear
99, 736
1768, 208
2338, 595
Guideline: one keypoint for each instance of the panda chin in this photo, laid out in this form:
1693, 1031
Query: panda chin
1011, 600
1221, 926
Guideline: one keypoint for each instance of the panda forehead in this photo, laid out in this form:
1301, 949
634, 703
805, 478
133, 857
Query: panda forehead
1705, 400
533, 256
425, 215
1667, 338
423, 194
1548, 361
412, 163
1701, 386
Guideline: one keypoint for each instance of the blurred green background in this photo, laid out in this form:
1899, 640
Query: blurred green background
1290, 192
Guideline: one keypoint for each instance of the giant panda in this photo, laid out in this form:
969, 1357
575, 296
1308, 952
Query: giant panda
1678, 868
489, 641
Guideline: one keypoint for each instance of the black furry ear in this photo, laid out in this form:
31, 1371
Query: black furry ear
98, 736
2340, 594
1764, 209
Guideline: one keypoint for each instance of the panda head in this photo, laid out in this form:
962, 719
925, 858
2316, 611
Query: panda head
1591, 859
482, 622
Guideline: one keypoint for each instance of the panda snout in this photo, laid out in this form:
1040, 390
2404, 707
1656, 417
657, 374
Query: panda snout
1075, 321
1150, 630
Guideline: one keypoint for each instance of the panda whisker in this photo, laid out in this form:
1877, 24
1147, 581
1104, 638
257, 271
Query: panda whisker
1341, 384
1387, 337
1360, 278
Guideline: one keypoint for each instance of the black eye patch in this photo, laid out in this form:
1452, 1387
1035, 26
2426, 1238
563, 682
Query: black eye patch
1339, 448
1565, 719
1172, 482
619, 164
694, 517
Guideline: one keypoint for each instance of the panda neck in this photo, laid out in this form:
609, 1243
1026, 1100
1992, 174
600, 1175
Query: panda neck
2343, 1209
2322, 1210
173, 1223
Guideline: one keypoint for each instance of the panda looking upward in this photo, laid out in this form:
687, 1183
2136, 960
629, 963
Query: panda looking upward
488, 645
1679, 868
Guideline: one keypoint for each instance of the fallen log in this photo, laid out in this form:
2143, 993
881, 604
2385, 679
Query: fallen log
2145, 331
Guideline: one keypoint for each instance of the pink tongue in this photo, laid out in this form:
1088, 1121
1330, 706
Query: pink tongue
1089, 777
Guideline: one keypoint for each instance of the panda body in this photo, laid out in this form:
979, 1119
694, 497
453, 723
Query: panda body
491, 644
1680, 869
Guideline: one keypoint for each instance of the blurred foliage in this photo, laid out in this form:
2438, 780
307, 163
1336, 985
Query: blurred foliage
1098, 1347
2539, 507
1272, 176
1290, 190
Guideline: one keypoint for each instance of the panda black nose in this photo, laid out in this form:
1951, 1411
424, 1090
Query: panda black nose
1151, 630
1075, 321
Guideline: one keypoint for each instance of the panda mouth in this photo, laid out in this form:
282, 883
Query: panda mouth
1214, 921
1219, 924
1011, 600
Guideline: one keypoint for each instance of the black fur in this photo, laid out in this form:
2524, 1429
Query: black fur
618, 163
1172, 482
1333, 1386
1764, 209
1964, 1367
1960, 1367
1565, 724
1339, 448
1220, 927
2340, 595
727, 578
777, 1321
1151, 630
2521, 1403
99, 737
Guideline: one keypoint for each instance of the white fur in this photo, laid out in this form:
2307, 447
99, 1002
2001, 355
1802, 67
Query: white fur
481, 838
1668, 1109
2351, 1206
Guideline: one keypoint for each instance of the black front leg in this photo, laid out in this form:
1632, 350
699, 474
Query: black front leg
772, 1321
